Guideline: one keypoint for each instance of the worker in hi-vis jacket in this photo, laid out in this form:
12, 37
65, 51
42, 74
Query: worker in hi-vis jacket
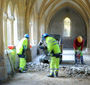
20, 50
54, 50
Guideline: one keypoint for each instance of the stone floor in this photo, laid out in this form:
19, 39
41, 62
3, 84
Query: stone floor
69, 74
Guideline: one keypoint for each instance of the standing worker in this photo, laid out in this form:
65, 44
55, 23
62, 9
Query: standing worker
20, 50
54, 50
78, 47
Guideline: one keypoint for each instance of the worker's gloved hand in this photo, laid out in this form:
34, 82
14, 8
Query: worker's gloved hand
78, 52
60, 55
45, 48
49, 53
40, 43
24, 50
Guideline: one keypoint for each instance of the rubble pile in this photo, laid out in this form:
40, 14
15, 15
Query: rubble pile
79, 70
37, 67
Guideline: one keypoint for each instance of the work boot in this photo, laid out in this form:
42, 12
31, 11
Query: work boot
82, 62
56, 74
24, 71
76, 59
20, 70
50, 75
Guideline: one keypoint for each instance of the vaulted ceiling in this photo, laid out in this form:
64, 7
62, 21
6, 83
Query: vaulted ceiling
47, 8
50, 7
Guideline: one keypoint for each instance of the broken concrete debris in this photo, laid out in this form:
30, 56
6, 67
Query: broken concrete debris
73, 70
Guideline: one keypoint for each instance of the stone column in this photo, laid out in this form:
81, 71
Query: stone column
28, 51
89, 35
3, 70
5, 28
39, 27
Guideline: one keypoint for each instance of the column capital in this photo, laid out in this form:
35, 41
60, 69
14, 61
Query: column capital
5, 15
11, 18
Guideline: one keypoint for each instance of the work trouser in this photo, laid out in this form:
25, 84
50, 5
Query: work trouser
54, 65
22, 64
22, 61
81, 56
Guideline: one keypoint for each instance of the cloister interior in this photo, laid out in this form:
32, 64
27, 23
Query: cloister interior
68, 18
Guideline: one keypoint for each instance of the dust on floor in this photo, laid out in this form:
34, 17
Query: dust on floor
40, 78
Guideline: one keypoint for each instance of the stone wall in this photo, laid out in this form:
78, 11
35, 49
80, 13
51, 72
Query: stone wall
78, 27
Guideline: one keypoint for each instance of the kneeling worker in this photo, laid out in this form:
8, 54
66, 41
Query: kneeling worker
78, 47
54, 50
20, 50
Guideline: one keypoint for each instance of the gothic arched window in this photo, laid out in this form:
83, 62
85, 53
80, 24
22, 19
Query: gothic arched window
67, 27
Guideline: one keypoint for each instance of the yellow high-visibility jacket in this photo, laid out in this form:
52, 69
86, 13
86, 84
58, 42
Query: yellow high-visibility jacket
52, 45
21, 45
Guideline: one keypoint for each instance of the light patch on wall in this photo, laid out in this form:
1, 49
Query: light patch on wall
15, 31
9, 28
67, 27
